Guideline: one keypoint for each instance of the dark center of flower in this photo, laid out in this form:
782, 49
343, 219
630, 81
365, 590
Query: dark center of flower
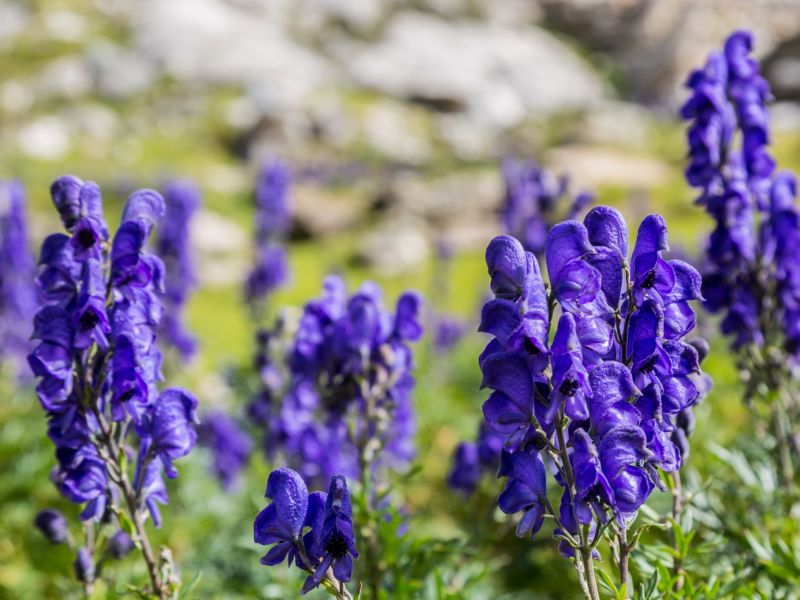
649, 364
650, 279
530, 347
568, 387
336, 545
88, 319
86, 238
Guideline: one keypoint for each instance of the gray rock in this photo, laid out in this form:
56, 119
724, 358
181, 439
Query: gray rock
394, 131
216, 42
657, 43
495, 73
618, 123
397, 245
320, 212
14, 17
67, 77
118, 72
592, 166
470, 194
45, 138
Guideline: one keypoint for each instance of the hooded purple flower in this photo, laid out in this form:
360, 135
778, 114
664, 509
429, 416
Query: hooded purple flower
281, 522
465, 472
230, 446
182, 199
168, 429
272, 219
337, 543
525, 490
535, 200
19, 297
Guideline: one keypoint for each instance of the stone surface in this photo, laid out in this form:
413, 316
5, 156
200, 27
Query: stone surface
45, 138
590, 166
400, 243
493, 72
320, 212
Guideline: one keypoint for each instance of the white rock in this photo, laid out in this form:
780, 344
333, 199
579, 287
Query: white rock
13, 20
46, 138
390, 129
215, 42
590, 166
495, 72
67, 77
15, 97
119, 72
216, 234
64, 25
396, 246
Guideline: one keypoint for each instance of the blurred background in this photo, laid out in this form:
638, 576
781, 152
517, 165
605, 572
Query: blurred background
393, 116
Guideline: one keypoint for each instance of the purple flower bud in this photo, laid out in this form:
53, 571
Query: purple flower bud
53, 525
84, 566
120, 545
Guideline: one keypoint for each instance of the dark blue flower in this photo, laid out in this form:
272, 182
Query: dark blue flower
230, 446
281, 522
525, 490
337, 541
168, 427
570, 379
466, 470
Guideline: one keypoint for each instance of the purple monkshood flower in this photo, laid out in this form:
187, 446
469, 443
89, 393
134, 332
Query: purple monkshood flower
749, 253
348, 381
448, 331
53, 525
229, 444
173, 244
120, 545
610, 385
336, 543
472, 459
534, 200
329, 540
272, 220
19, 297
96, 360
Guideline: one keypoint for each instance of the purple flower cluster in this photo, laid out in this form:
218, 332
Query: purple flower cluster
471, 460
327, 520
601, 399
96, 360
752, 276
19, 298
182, 198
345, 397
534, 201
229, 444
272, 220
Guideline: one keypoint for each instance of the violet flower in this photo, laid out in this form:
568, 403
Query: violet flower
534, 200
173, 245
99, 367
329, 544
602, 399
272, 220
19, 297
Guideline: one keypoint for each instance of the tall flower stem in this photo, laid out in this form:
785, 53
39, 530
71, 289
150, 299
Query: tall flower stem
624, 557
366, 455
112, 451
677, 509
587, 578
